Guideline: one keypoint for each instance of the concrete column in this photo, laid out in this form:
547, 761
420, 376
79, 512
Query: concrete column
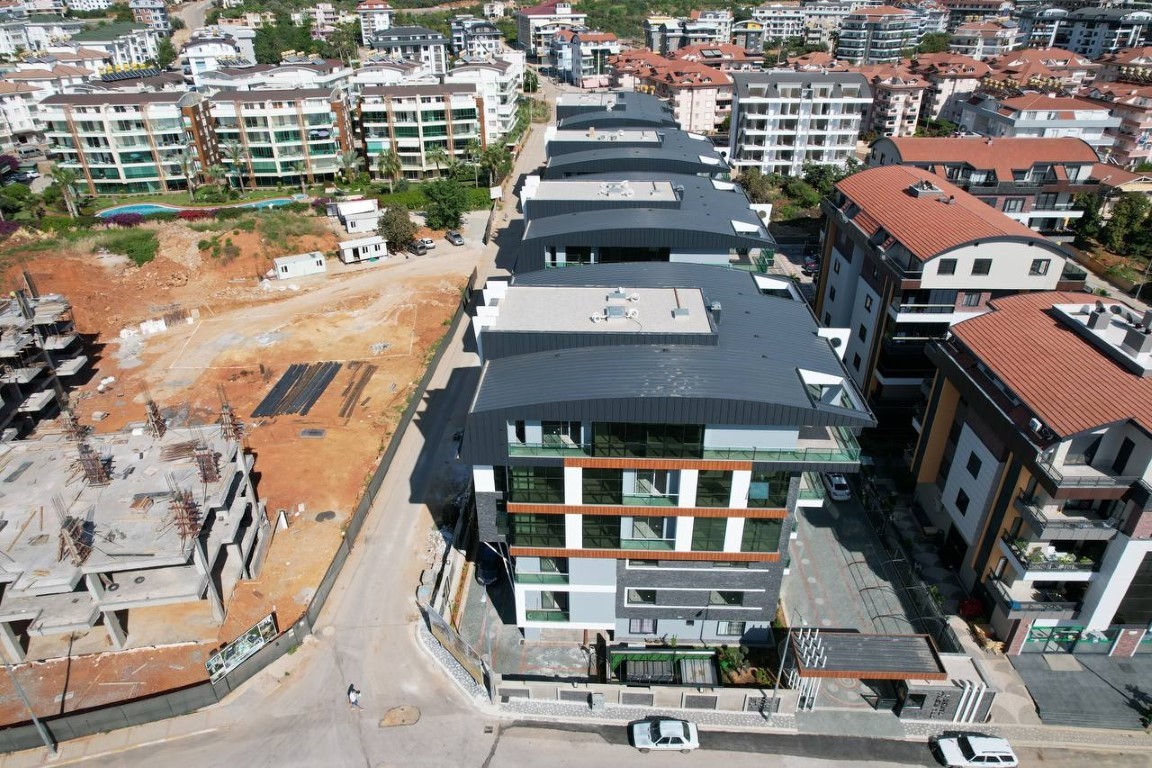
741, 482
574, 531
684, 526
115, 630
734, 534
573, 486
1017, 637
13, 650
95, 586
689, 478
201, 562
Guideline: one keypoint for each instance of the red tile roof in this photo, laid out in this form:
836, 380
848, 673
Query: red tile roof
1115, 176
1037, 101
927, 226
949, 65
881, 10
1064, 380
727, 51
1004, 154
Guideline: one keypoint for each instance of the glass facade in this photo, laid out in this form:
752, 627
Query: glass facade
536, 531
761, 536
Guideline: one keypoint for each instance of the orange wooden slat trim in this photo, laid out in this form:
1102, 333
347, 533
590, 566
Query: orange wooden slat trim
622, 463
635, 511
629, 554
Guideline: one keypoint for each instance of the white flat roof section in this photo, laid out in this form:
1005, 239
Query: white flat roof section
630, 135
575, 189
637, 310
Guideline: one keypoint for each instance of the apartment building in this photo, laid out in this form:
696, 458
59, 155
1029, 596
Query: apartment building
18, 125
498, 84
411, 120
665, 34
153, 14
880, 34
1090, 32
906, 256
213, 48
120, 143
1034, 181
128, 45
1132, 139
570, 436
59, 78
634, 216
426, 46
897, 100
536, 25
475, 37
269, 137
1130, 66
951, 79
580, 56
749, 35
323, 19
780, 22
640, 148
961, 11
308, 72
1043, 69
1041, 489
375, 16
85, 6
983, 39
1041, 27
782, 120
1042, 115
700, 96
725, 57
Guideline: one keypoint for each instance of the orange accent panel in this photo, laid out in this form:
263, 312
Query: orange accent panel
634, 511
621, 554
582, 461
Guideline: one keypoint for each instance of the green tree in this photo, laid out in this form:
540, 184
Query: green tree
397, 228
933, 42
177, 23
388, 167
497, 161
66, 178
18, 203
475, 152
1087, 227
271, 41
344, 42
165, 53
301, 172
937, 128
349, 163
1128, 215
237, 160
438, 156
447, 202
121, 12
758, 187
531, 81
823, 178
186, 162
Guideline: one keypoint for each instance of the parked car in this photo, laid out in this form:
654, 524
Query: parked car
969, 749
664, 733
811, 266
837, 486
417, 247
489, 566
454, 237
428, 242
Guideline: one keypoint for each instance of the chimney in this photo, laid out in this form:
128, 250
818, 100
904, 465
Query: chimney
1099, 320
716, 309
1138, 341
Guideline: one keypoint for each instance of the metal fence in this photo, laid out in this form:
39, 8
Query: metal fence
187, 700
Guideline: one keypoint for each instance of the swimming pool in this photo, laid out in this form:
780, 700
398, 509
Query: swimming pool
144, 209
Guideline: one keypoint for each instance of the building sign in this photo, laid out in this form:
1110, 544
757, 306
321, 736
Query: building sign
455, 645
234, 654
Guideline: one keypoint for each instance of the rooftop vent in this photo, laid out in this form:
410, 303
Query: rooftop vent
681, 313
924, 188
1099, 319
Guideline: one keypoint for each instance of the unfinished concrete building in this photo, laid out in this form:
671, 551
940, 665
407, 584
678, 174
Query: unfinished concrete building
92, 527
40, 352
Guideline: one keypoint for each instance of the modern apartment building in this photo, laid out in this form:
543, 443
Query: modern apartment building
897, 100
907, 255
983, 39
1090, 32
880, 34
411, 120
213, 48
475, 37
1042, 116
780, 22
18, 124
295, 72
581, 57
128, 45
536, 25
615, 390
699, 95
1034, 456
418, 44
129, 142
665, 34
726, 57
782, 120
631, 216
961, 11
152, 14
952, 79
282, 135
498, 83
375, 16
1133, 65
1132, 139
1053, 70
1034, 181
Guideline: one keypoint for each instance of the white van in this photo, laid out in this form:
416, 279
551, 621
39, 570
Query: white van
28, 151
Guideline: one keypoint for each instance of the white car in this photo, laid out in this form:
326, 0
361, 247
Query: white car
837, 487
973, 750
429, 243
664, 733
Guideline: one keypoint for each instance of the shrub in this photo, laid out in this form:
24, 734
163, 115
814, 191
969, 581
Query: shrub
126, 220
204, 245
139, 245
228, 214
196, 214
295, 208
160, 217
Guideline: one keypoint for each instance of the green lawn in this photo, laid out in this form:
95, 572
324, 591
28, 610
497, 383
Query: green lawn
181, 198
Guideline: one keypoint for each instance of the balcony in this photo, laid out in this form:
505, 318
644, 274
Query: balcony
811, 490
1082, 475
546, 615
562, 446
1034, 562
1023, 601
541, 578
1065, 523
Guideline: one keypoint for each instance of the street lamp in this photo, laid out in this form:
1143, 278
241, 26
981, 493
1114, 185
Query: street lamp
42, 729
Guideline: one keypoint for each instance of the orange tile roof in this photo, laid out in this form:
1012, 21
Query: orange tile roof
927, 226
1114, 175
1004, 154
1070, 385
1036, 101
728, 50
881, 10
6, 88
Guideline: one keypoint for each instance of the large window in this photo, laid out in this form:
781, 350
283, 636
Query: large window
601, 532
648, 440
603, 486
729, 628
642, 626
708, 534
760, 536
539, 485
769, 489
726, 597
714, 488
641, 597
536, 530
649, 533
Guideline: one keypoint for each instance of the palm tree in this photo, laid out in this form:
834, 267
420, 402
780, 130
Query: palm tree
388, 166
475, 150
438, 156
189, 169
301, 172
65, 178
236, 156
217, 173
498, 162
349, 163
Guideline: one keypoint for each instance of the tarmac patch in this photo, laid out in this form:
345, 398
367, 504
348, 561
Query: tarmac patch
405, 715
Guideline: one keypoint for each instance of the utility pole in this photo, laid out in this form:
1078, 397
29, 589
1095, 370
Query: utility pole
45, 736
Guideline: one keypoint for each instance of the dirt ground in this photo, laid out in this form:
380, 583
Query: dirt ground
237, 337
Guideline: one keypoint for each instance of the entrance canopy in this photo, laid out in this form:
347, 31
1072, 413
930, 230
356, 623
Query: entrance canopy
851, 654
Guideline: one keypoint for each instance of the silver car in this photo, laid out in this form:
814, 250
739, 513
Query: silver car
664, 733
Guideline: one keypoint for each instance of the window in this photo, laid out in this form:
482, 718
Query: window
974, 465
972, 298
862, 334
856, 361
725, 598
1014, 205
946, 267
769, 489
601, 532
730, 628
867, 303
714, 488
708, 534
641, 597
760, 535
827, 319
603, 486
1039, 267
832, 293
536, 530
836, 266
541, 485
642, 626
981, 266
962, 501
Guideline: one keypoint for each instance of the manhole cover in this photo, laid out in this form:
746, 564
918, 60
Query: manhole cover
400, 716
313, 433
329, 515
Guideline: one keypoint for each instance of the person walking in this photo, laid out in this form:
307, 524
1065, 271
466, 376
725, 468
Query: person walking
354, 697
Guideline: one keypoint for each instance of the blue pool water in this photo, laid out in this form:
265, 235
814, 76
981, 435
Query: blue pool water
145, 209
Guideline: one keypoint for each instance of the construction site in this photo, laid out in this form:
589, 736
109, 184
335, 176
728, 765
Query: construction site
198, 474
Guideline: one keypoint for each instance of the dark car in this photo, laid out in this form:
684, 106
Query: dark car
454, 237
811, 265
417, 248
489, 566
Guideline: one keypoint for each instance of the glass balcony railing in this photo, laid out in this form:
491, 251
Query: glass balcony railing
649, 545
1055, 523
541, 578
1048, 560
1082, 475
1034, 602
812, 489
546, 615
649, 500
